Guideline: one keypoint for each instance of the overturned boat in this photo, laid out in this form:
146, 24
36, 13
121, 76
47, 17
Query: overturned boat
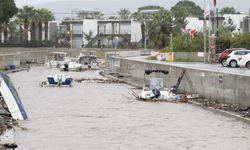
9, 97
156, 90
60, 80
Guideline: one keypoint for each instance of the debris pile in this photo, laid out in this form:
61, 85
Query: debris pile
226, 107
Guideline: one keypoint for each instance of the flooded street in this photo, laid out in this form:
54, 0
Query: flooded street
97, 116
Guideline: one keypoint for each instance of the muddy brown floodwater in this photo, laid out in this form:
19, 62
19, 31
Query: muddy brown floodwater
96, 116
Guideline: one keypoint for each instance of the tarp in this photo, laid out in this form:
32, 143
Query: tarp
11, 98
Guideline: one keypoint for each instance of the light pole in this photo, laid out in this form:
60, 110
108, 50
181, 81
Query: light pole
143, 13
71, 36
71, 26
171, 42
145, 37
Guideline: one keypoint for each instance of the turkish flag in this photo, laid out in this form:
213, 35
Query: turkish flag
214, 3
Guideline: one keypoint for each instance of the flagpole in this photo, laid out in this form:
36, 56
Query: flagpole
214, 17
209, 36
204, 31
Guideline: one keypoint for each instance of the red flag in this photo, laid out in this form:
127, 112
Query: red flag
214, 3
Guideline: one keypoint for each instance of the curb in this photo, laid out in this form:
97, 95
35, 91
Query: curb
222, 112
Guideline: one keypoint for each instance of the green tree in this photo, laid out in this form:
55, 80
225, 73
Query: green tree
143, 16
124, 14
34, 19
7, 10
25, 15
185, 9
228, 10
241, 40
44, 16
183, 43
160, 28
228, 26
88, 36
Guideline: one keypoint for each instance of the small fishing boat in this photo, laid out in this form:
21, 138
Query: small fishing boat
88, 61
71, 65
156, 90
60, 80
57, 59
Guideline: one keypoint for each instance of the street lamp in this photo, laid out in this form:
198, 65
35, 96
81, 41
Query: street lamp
147, 12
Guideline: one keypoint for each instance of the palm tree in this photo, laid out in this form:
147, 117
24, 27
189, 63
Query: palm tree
124, 14
44, 16
13, 31
160, 28
143, 16
34, 19
5, 32
20, 33
1, 28
88, 36
25, 14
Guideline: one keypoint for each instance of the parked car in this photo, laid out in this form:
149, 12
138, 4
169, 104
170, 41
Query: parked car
234, 56
224, 55
244, 61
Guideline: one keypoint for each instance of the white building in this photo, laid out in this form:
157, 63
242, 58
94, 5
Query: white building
237, 19
106, 33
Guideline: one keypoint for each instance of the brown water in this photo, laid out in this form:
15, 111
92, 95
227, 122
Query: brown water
96, 116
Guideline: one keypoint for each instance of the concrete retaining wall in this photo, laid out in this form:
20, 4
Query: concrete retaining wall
224, 88
188, 56
9, 56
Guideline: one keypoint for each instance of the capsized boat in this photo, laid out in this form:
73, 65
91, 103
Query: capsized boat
156, 90
9, 95
60, 80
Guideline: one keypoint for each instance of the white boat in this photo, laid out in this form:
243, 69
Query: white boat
88, 61
71, 65
60, 80
58, 59
156, 90
9, 96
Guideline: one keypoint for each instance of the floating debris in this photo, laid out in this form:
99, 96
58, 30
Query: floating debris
97, 80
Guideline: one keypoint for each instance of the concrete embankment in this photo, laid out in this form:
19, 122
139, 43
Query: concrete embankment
15, 56
223, 87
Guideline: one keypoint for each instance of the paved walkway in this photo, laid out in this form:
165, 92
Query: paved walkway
95, 116
199, 66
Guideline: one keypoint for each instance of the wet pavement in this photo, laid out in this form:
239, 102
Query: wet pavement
97, 116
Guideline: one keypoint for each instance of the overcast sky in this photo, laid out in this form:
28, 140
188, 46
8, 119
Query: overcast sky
112, 6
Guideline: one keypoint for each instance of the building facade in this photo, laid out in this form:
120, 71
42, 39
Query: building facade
101, 32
